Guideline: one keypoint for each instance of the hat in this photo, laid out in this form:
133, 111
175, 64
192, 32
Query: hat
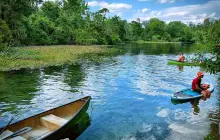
200, 73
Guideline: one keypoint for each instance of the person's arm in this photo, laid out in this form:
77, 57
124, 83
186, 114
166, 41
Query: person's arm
198, 87
179, 58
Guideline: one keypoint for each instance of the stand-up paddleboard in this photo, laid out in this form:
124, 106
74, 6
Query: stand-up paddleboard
188, 94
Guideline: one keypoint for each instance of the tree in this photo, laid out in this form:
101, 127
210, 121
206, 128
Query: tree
176, 30
155, 29
13, 11
103, 11
51, 9
5, 35
136, 30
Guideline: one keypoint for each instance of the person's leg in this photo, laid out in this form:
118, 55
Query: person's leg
204, 93
208, 93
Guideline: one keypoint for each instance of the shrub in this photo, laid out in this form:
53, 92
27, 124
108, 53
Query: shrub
116, 39
86, 41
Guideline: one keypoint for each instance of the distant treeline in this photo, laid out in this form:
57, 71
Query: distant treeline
36, 22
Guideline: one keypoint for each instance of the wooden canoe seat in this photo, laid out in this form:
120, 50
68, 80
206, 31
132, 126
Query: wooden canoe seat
52, 122
7, 133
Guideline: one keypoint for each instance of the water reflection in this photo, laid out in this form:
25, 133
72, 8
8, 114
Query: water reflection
27, 92
157, 49
194, 104
16, 88
214, 125
77, 128
180, 68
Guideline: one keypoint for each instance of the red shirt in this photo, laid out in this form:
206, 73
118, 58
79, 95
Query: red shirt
194, 82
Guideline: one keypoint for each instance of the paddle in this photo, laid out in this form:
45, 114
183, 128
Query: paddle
19, 132
6, 126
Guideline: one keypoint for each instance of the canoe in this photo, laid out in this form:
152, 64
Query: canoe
188, 94
185, 63
51, 124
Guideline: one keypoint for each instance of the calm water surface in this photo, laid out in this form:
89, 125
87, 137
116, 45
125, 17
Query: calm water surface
130, 95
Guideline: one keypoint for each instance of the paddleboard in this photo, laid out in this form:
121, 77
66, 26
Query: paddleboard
188, 94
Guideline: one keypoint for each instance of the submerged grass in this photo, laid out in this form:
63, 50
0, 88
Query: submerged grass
43, 56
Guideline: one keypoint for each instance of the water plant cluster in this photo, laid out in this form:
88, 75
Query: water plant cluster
42, 56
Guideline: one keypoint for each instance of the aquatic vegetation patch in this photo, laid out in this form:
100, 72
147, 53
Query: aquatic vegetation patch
43, 56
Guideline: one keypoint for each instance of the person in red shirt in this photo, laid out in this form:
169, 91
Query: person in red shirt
201, 88
181, 58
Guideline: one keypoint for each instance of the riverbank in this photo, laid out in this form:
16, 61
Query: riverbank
145, 42
43, 56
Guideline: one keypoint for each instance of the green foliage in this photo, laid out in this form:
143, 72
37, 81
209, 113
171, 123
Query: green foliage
187, 35
175, 29
87, 41
5, 35
209, 137
70, 22
51, 9
207, 39
214, 32
42, 30
13, 11
156, 26
136, 30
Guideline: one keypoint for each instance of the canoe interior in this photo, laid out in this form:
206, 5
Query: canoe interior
47, 122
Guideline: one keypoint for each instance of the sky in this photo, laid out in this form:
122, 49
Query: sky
167, 10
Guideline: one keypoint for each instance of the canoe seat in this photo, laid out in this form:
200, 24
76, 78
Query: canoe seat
7, 133
52, 122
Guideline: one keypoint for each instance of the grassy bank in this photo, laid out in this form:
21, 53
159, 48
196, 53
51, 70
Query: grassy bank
42, 56
145, 42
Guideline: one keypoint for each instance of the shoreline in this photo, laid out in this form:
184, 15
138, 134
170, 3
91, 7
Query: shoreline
158, 42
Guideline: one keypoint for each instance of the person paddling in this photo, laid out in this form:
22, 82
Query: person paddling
201, 88
181, 58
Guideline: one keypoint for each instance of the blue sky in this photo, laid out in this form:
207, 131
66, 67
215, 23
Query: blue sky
168, 10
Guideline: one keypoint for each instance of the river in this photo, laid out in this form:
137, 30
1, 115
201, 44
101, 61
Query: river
131, 94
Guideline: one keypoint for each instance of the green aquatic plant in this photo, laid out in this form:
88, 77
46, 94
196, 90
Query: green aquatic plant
43, 56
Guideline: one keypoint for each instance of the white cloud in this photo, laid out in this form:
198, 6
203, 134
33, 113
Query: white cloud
117, 8
163, 113
144, 10
166, 1
191, 13
93, 3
